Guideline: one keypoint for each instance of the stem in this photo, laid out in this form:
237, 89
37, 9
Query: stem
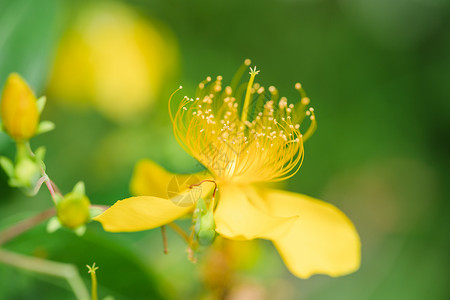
51, 186
19, 228
52, 268
39, 184
180, 231
94, 286
55, 188
164, 236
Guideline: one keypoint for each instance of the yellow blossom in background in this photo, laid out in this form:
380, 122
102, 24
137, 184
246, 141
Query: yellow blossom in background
114, 59
245, 135
19, 109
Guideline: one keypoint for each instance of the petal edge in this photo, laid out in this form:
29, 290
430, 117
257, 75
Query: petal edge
322, 240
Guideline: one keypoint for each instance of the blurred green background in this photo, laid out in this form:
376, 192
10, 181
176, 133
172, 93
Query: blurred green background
377, 73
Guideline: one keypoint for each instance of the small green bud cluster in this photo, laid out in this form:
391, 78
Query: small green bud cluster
20, 113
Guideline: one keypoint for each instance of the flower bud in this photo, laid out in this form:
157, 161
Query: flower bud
27, 173
207, 232
19, 111
205, 227
73, 209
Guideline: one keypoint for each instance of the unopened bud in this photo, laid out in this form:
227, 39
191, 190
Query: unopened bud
19, 111
205, 226
26, 173
73, 209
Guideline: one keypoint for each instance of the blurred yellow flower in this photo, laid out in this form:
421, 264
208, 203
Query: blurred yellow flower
19, 109
114, 59
243, 139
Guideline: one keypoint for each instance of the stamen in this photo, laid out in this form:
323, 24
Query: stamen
164, 237
237, 77
235, 145
312, 127
170, 101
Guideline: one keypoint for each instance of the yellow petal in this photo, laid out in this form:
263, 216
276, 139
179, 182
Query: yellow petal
238, 218
150, 179
321, 241
140, 213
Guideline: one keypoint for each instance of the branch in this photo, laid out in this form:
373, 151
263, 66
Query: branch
19, 228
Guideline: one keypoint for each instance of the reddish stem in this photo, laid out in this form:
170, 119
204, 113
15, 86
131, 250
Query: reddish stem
19, 228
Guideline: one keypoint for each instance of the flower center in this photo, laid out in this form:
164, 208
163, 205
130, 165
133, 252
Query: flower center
243, 138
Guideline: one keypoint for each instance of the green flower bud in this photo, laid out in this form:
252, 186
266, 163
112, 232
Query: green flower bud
73, 209
205, 227
26, 173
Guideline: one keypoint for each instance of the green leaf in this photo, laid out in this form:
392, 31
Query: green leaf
41, 103
7, 166
45, 126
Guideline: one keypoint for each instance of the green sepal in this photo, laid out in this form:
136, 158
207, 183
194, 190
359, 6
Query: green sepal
41, 103
53, 225
40, 155
80, 230
13, 182
95, 211
58, 198
45, 126
79, 189
7, 165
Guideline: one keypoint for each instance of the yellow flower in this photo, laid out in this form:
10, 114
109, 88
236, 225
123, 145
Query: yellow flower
243, 140
114, 59
19, 110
